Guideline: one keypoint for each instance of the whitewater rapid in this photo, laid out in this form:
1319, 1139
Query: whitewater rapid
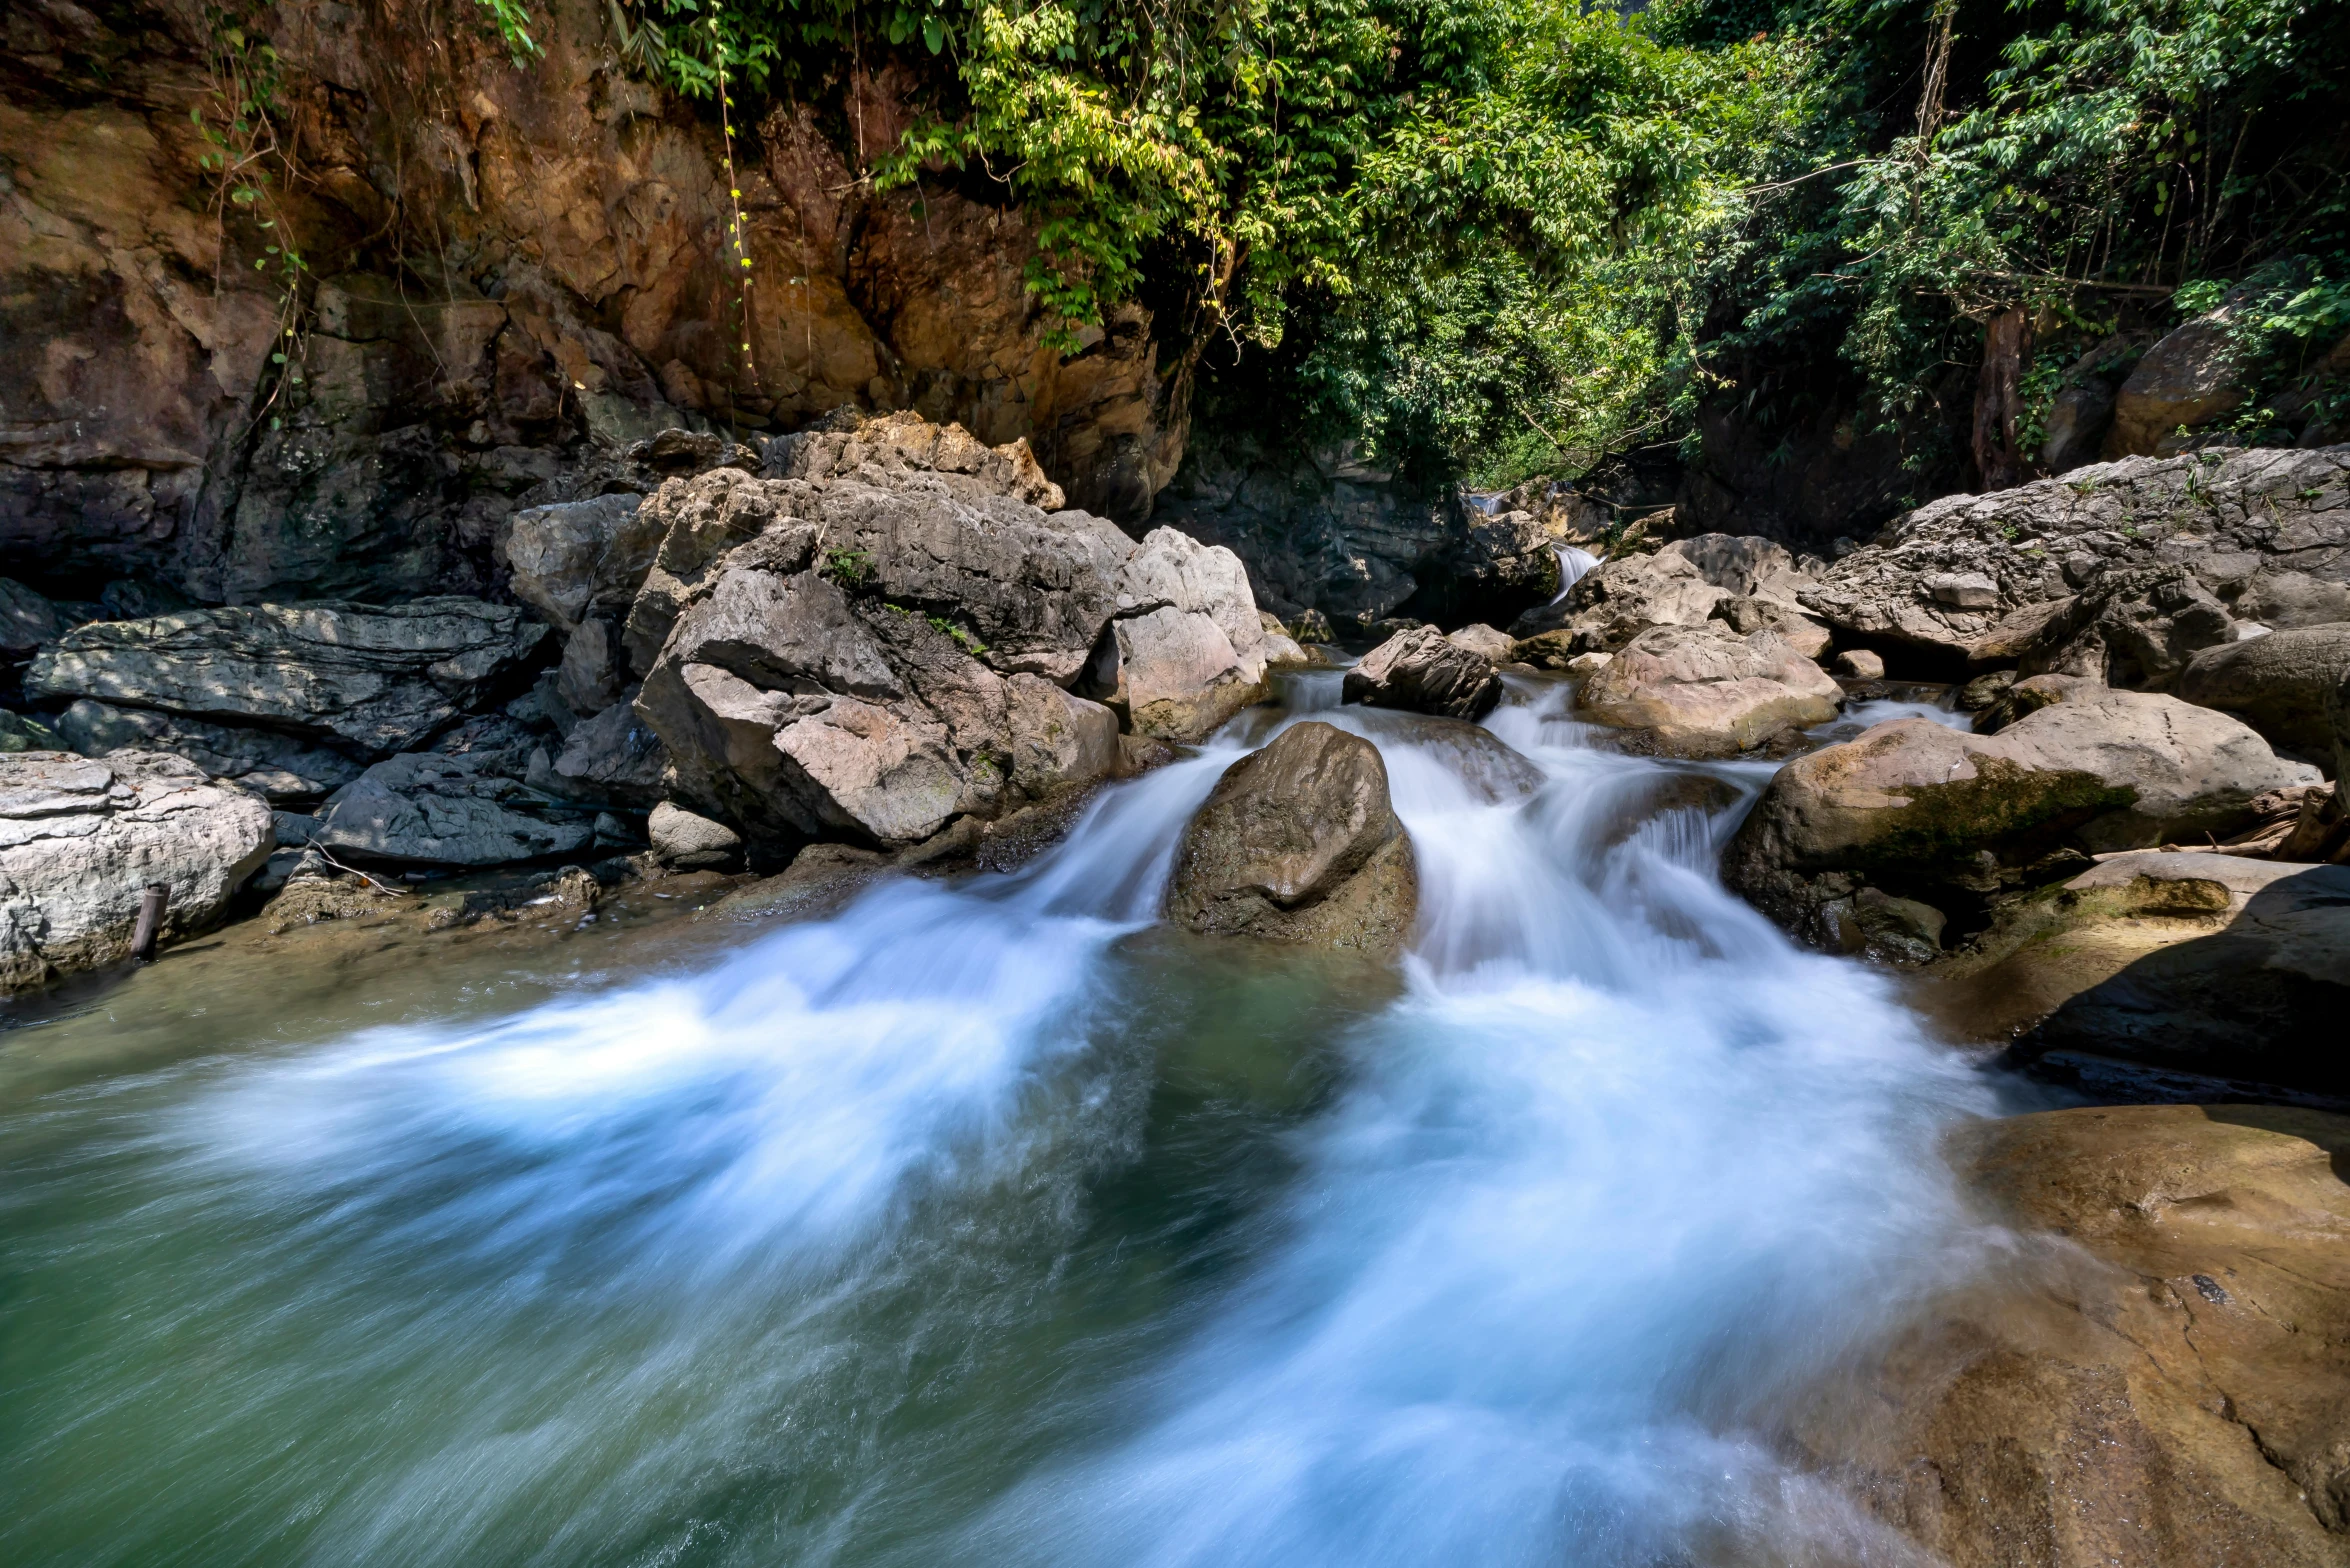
989, 1223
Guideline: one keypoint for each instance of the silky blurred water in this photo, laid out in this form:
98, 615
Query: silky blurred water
994, 1223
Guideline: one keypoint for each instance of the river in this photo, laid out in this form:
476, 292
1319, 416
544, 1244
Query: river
992, 1223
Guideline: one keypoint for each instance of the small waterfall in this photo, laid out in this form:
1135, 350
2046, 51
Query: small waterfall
987, 1223
1573, 563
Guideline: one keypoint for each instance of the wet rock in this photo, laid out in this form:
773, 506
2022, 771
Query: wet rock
379, 678
282, 767
613, 759
688, 842
2225, 517
2281, 684
576, 559
2165, 1384
1299, 843
1703, 692
1424, 671
424, 808
1921, 806
1483, 641
81, 839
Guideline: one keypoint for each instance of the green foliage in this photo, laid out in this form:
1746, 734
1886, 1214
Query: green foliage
849, 568
1504, 238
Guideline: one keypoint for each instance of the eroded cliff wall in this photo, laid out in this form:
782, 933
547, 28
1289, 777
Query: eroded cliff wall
502, 268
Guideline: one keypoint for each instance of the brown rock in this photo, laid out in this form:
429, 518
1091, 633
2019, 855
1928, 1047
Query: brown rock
1706, 693
1299, 843
2167, 1385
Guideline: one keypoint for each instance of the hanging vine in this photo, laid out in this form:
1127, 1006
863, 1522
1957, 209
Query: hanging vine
734, 197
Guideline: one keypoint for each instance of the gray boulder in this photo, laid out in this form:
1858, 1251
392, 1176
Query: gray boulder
685, 841
1189, 647
81, 840
1915, 805
612, 759
1426, 672
426, 808
1299, 842
2282, 684
379, 678
2133, 626
581, 558
791, 710
280, 766
1703, 692
2230, 519
700, 521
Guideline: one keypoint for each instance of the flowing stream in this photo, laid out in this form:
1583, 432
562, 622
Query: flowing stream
992, 1223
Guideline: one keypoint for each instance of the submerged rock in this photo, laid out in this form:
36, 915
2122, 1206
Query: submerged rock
1704, 692
379, 678
1426, 672
1299, 843
2165, 1385
81, 839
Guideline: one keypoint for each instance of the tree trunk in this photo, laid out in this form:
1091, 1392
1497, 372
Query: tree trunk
1999, 401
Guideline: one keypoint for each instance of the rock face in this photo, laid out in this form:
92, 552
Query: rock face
574, 220
2282, 684
910, 669
1704, 692
281, 766
579, 558
80, 840
1933, 811
613, 759
379, 678
427, 809
1426, 672
2166, 1385
2212, 531
1299, 843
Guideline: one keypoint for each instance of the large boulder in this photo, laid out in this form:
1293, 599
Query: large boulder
1702, 691
2234, 520
2282, 684
575, 559
81, 840
426, 808
283, 767
1426, 672
2154, 1373
792, 708
377, 678
2190, 377
1926, 810
1188, 648
1299, 842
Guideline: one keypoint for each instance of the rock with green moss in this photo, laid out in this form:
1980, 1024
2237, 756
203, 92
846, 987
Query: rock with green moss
1928, 812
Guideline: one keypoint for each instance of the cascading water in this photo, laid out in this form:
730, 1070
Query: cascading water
993, 1224
1574, 562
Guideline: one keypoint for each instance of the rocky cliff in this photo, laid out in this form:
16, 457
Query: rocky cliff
500, 270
